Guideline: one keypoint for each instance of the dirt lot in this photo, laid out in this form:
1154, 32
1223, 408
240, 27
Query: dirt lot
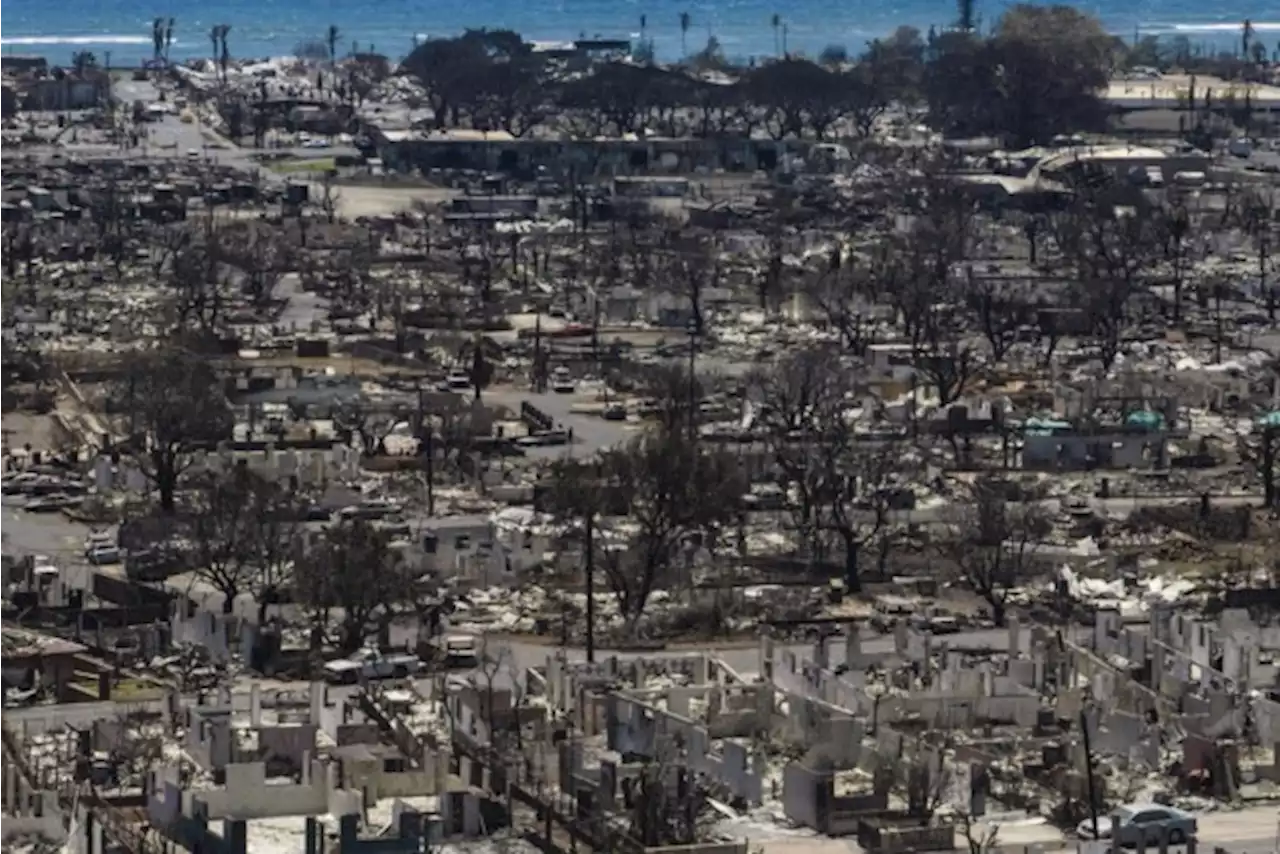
378, 201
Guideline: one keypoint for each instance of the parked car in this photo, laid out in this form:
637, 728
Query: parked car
371, 664
98, 540
17, 484
104, 555
461, 652
1240, 147
46, 504
562, 382
1145, 823
47, 485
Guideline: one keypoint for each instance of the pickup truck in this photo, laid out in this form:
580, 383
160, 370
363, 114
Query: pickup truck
371, 664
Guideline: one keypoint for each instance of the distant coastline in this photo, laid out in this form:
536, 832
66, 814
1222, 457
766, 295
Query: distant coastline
742, 29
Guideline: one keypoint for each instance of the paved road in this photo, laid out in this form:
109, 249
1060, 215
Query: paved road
170, 136
169, 129
591, 433
303, 309
49, 534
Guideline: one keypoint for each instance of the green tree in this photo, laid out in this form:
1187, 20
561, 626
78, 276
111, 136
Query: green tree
895, 66
796, 96
1039, 74
459, 73
620, 96
959, 84
1053, 63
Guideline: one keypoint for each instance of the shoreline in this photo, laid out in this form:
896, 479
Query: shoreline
741, 42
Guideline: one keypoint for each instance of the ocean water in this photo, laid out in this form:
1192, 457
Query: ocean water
261, 28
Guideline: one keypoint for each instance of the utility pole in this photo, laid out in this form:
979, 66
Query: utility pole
431, 471
1088, 766
539, 378
426, 435
1267, 293
693, 382
594, 493
591, 585
1217, 312
1269, 436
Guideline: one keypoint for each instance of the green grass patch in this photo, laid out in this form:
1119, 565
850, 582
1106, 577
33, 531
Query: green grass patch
319, 165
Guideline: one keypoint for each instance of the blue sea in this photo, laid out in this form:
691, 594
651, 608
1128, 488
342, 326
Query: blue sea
261, 28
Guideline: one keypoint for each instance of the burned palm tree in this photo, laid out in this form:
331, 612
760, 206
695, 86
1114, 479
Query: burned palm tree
224, 56
168, 38
332, 40
157, 37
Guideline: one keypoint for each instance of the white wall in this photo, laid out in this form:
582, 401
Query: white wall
247, 795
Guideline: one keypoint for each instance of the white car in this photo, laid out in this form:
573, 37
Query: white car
1144, 824
104, 555
562, 382
96, 539
371, 664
